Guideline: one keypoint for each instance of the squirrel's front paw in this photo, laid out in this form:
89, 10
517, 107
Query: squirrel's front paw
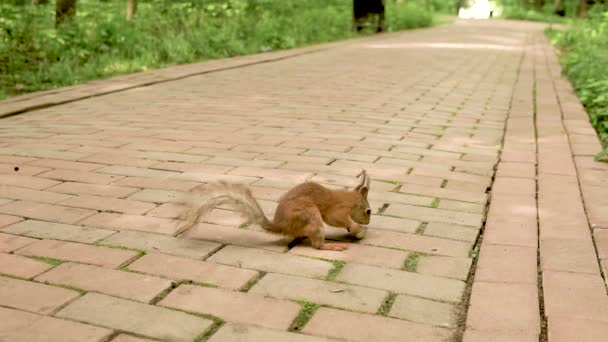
361, 234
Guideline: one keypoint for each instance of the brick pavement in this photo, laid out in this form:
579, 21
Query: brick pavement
446, 121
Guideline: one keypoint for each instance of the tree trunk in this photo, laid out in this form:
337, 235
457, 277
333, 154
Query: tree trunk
131, 9
558, 8
64, 9
539, 4
582, 10
39, 2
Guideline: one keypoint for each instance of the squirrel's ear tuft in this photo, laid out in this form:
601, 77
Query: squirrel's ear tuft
363, 187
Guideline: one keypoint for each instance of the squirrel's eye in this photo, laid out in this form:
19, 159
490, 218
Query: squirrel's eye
368, 212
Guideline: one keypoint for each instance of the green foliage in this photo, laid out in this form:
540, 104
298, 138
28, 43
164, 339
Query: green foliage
527, 10
100, 42
585, 61
407, 16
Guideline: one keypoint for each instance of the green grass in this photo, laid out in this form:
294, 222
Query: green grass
100, 42
411, 262
387, 304
518, 13
50, 261
584, 57
140, 251
338, 266
308, 309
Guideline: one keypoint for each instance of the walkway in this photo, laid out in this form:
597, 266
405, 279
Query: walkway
490, 222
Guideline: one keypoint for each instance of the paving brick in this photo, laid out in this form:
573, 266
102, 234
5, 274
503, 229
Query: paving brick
73, 188
45, 212
115, 159
232, 161
207, 177
319, 291
464, 186
18, 266
195, 167
57, 231
6, 220
287, 175
157, 196
235, 236
25, 326
500, 308
134, 172
133, 222
471, 335
80, 176
193, 270
424, 311
361, 254
600, 237
565, 329
449, 267
28, 182
394, 223
143, 319
451, 231
164, 244
64, 164
51, 154
33, 297
233, 306
434, 215
353, 326
507, 264
415, 284
23, 170
456, 195
249, 333
269, 261
157, 183
71, 251
575, 295
511, 220
476, 208
15, 160
129, 338
117, 283
515, 170
389, 197
126, 206
418, 243
568, 255
26, 194
9, 242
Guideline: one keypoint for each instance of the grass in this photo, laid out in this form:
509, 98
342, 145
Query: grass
140, 251
387, 304
308, 309
338, 266
411, 262
584, 57
100, 42
421, 228
50, 261
252, 282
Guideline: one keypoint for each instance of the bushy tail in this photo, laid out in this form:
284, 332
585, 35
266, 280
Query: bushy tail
202, 200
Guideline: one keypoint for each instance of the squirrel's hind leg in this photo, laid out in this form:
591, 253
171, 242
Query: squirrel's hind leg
314, 231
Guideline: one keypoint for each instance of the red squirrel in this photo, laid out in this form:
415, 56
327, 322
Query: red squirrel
300, 213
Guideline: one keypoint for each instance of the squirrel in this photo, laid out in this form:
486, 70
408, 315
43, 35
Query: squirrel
300, 212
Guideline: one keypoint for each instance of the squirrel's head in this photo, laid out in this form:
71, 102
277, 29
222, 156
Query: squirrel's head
361, 211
